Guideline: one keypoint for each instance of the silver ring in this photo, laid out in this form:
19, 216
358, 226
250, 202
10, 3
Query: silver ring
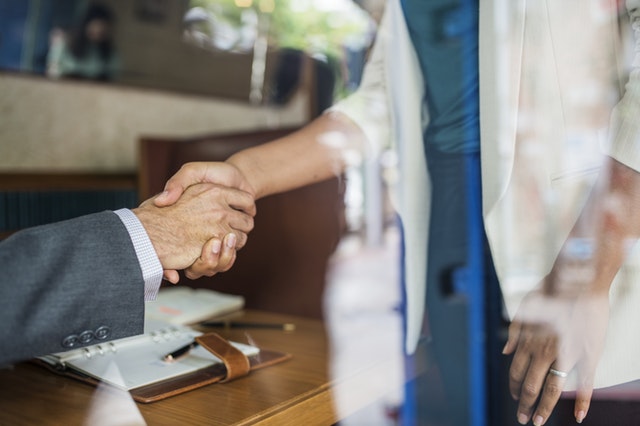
558, 373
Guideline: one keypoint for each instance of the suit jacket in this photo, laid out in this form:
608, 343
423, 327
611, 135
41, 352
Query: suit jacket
68, 285
550, 76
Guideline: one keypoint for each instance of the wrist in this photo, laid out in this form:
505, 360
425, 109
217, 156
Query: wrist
242, 167
150, 226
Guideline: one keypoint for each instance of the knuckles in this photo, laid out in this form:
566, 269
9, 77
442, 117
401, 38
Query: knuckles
552, 390
529, 390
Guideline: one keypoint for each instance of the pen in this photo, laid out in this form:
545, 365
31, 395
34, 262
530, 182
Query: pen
240, 324
178, 353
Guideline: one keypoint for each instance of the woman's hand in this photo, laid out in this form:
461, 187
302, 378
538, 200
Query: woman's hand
220, 173
551, 336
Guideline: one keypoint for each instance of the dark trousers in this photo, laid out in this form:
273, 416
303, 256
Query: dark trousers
443, 396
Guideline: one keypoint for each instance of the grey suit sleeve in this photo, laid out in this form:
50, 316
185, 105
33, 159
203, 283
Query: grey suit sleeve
67, 285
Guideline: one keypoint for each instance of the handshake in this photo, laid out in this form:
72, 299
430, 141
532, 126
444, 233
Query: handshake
207, 208
200, 220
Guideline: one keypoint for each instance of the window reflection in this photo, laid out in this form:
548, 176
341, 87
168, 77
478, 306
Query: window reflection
86, 51
559, 114
204, 47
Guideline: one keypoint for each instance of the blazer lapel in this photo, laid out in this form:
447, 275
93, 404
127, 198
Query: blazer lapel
502, 24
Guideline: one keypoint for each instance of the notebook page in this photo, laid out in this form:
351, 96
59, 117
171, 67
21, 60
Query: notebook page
184, 305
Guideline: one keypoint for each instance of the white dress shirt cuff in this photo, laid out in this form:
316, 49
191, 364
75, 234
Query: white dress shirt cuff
149, 263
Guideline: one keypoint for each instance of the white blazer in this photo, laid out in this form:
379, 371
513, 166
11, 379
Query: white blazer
537, 147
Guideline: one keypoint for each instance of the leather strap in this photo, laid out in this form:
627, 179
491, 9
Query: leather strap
235, 361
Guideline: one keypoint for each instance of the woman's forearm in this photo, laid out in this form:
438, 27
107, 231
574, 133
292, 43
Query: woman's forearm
610, 222
312, 154
619, 220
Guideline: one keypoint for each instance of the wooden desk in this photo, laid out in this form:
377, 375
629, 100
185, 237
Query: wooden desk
296, 392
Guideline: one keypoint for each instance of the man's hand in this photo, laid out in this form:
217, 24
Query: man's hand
552, 335
191, 231
217, 256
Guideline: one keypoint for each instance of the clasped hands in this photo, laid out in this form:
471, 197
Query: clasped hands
200, 220
553, 336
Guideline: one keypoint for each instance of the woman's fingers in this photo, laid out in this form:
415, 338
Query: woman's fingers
514, 336
529, 382
189, 174
586, 375
583, 401
524, 354
553, 385
530, 390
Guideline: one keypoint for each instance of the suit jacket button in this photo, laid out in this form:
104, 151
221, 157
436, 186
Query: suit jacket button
70, 341
86, 336
102, 332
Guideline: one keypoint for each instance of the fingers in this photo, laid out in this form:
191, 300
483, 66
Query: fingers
544, 352
555, 380
537, 349
518, 372
240, 240
242, 201
530, 389
584, 392
217, 256
189, 174
583, 401
543, 391
244, 204
538, 377
514, 335
220, 173
228, 255
172, 276
553, 386
525, 365
207, 263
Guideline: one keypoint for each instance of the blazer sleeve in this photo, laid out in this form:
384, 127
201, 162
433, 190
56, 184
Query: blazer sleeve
368, 106
67, 285
624, 143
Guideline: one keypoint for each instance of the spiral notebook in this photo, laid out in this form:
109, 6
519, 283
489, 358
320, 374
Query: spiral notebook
137, 361
136, 364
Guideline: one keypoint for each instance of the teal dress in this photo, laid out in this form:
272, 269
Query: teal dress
445, 37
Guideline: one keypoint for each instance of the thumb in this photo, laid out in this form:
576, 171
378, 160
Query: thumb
514, 336
171, 275
166, 198
172, 192
189, 174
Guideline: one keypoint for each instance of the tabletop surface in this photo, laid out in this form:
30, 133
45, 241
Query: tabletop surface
297, 391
